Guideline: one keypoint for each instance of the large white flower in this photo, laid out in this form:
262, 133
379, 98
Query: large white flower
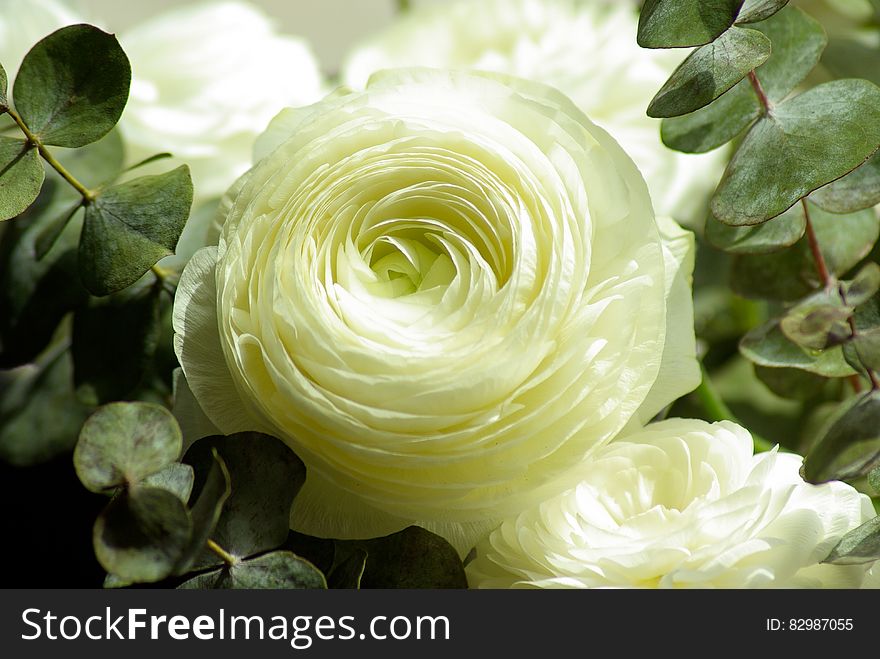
585, 48
683, 503
206, 80
442, 292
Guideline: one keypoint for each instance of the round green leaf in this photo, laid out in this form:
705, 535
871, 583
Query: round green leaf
861, 545
863, 286
683, 23
266, 476
851, 446
175, 478
348, 568
278, 570
140, 535
775, 234
818, 322
800, 146
124, 443
21, 176
797, 43
874, 479
4, 101
710, 71
791, 274
412, 558
768, 346
757, 10
791, 383
130, 226
72, 86
857, 190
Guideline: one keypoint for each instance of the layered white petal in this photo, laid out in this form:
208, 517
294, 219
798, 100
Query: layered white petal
681, 504
443, 292
585, 48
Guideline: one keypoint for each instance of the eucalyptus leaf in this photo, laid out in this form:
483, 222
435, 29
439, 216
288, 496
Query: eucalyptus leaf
123, 443
349, 570
851, 446
792, 383
766, 345
266, 476
683, 23
852, 58
863, 286
797, 42
710, 71
279, 569
818, 322
866, 347
861, 545
791, 274
114, 341
320, 552
141, 534
757, 10
772, 236
36, 294
801, 145
132, 225
49, 235
21, 176
411, 558
857, 190
40, 415
213, 492
72, 86
175, 478
874, 479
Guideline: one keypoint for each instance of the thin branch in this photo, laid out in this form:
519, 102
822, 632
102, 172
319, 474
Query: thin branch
228, 558
760, 93
818, 258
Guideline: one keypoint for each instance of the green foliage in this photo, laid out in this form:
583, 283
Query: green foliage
122, 443
141, 534
857, 190
768, 346
851, 446
72, 86
176, 478
114, 341
132, 225
799, 146
682, 23
772, 236
818, 322
266, 476
278, 569
861, 545
757, 10
4, 84
710, 71
206, 511
21, 176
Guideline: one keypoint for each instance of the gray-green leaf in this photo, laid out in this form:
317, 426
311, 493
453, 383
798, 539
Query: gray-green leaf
766, 345
851, 446
683, 23
861, 545
72, 86
141, 534
277, 570
818, 322
773, 235
175, 478
801, 145
710, 71
132, 225
857, 190
863, 286
4, 82
21, 176
797, 43
266, 476
757, 10
124, 443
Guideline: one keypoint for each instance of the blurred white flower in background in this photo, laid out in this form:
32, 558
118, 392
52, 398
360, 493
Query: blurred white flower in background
683, 503
206, 80
587, 49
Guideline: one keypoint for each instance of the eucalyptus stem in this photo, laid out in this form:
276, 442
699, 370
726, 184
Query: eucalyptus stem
760, 93
818, 257
717, 410
87, 195
228, 558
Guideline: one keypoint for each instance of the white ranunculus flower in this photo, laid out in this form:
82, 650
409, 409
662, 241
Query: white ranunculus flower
442, 292
585, 48
206, 80
680, 504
